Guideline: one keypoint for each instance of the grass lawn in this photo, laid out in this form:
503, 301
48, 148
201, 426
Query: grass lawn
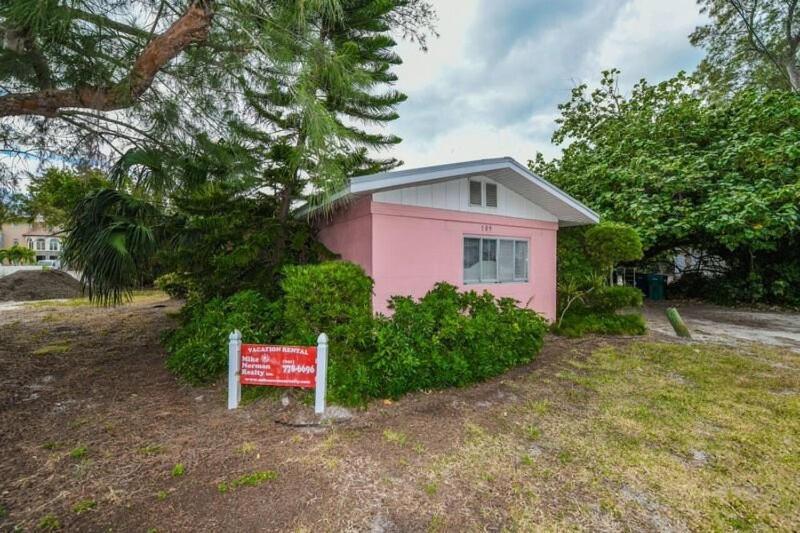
597, 434
142, 296
654, 435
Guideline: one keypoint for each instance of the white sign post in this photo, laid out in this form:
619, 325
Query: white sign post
234, 364
322, 374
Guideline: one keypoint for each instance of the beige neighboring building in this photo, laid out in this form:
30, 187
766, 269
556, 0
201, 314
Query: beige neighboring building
37, 236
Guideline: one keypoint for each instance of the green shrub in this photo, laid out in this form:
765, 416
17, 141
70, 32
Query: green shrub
448, 339
574, 264
579, 324
610, 299
586, 304
198, 351
444, 339
175, 284
609, 243
586, 251
334, 297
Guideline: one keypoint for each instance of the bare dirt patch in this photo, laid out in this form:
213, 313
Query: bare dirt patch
93, 428
712, 323
27, 285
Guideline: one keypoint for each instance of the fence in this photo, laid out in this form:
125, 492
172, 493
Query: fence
5, 270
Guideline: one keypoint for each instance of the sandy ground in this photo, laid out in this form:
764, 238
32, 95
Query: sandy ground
90, 416
711, 323
89, 413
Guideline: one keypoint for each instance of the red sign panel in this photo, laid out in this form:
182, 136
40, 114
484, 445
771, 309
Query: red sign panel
279, 366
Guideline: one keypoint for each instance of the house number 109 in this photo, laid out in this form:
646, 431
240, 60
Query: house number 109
486, 227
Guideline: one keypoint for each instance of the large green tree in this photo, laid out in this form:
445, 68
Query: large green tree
88, 81
750, 43
54, 193
718, 176
12, 205
220, 206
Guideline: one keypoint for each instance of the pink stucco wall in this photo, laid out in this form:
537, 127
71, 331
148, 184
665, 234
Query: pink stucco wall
410, 248
349, 233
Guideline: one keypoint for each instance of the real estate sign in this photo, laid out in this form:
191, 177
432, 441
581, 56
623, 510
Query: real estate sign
277, 366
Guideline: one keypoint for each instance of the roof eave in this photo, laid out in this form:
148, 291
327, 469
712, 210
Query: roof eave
404, 178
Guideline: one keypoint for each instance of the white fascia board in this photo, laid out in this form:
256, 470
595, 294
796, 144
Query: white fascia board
405, 178
308, 210
555, 191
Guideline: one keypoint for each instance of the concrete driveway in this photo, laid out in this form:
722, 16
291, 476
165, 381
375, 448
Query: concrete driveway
728, 325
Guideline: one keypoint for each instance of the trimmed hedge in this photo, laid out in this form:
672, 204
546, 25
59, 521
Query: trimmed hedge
334, 297
445, 339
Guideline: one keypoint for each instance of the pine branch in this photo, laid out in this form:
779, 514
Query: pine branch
191, 28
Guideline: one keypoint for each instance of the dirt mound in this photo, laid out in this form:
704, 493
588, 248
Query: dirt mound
38, 285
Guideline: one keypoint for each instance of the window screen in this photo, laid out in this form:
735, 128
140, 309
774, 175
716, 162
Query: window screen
472, 255
475, 193
488, 260
491, 194
505, 261
521, 260
493, 260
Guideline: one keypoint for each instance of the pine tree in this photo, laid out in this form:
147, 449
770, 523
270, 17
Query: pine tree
320, 121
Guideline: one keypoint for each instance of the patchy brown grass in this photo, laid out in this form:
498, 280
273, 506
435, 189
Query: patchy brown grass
597, 434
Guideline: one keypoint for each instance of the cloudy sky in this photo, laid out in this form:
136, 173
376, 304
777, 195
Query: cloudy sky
490, 85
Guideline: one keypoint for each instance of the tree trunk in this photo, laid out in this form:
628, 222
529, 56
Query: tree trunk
192, 27
794, 75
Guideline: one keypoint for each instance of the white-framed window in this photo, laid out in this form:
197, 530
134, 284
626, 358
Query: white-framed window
482, 193
40, 244
53, 245
495, 260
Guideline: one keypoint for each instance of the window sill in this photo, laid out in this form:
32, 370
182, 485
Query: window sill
515, 282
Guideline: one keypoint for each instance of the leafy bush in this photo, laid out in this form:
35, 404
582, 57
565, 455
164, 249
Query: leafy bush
449, 338
444, 339
584, 252
610, 299
586, 303
609, 243
334, 297
199, 349
579, 324
175, 284
574, 263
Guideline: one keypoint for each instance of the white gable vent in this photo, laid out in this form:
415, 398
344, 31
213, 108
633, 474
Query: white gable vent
491, 194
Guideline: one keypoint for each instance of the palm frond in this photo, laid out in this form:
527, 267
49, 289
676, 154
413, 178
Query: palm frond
111, 238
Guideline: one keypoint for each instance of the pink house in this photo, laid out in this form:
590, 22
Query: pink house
481, 225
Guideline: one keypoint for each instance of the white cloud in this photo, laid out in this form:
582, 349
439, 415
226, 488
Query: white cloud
421, 69
471, 142
648, 39
491, 84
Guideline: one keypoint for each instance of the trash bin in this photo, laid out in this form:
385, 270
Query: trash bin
657, 286
640, 281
